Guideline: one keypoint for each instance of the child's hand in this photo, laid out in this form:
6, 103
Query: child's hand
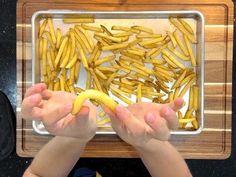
141, 122
53, 109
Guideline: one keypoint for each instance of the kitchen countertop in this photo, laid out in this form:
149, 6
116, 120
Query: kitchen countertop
14, 166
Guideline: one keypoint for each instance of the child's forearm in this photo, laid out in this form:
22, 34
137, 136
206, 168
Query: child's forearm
56, 158
162, 160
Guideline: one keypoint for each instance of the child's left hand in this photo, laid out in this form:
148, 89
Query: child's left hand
53, 109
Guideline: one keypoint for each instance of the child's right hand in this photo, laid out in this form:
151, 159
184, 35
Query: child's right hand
53, 109
139, 123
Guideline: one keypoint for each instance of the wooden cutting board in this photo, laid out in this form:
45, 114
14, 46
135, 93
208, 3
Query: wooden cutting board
215, 140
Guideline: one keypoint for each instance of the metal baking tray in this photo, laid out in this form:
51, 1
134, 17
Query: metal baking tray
157, 20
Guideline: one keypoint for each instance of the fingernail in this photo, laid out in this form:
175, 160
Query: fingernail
34, 98
150, 117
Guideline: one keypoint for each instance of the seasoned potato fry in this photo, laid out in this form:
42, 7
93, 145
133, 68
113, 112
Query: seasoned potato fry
62, 83
152, 41
103, 60
92, 28
180, 27
176, 62
58, 37
52, 31
78, 20
181, 45
83, 40
115, 46
125, 53
191, 99
72, 61
186, 120
100, 74
195, 124
139, 93
49, 38
83, 58
192, 57
173, 41
171, 97
106, 69
72, 75
66, 58
125, 81
40, 48
187, 79
50, 62
148, 35
176, 93
188, 113
122, 28
178, 54
73, 45
143, 29
121, 97
186, 87
58, 57
106, 30
115, 89
157, 52
186, 25
96, 81
80, 43
42, 27
122, 34
77, 71
144, 69
169, 61
130, 59
136, 52
178, 81
102, 35
87, 37
44, 56
195, 97
94, 53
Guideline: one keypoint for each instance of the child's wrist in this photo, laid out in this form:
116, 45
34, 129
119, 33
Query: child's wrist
152, 146
73, 140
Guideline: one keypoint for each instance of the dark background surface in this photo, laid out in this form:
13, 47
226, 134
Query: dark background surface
14, 166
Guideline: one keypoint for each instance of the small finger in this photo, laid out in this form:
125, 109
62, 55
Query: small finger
37, 88
176, 104
159, 129
170, 116
28, 104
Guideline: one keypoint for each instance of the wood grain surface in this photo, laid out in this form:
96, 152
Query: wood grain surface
215, 140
